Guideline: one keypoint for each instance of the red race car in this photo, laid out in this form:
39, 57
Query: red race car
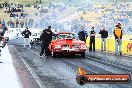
67, 43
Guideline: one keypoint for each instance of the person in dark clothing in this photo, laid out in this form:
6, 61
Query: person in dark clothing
104, 35
92, 40
4, 29
26, 33
119, 24
46, 38
22, 24
82, 34
17, 23
2, 32
11, 24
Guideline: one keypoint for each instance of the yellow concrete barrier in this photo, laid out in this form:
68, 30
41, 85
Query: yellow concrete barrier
110, 45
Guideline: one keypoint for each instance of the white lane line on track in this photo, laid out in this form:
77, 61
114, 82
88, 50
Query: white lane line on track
36, 78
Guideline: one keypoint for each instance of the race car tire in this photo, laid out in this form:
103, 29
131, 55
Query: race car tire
53, 53
83, 54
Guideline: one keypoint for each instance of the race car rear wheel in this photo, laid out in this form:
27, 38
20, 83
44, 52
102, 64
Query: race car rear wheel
53, 53
83, 54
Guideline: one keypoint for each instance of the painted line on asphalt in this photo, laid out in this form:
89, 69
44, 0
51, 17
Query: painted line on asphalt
36, 78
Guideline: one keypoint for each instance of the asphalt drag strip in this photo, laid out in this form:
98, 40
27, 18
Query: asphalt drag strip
60, 72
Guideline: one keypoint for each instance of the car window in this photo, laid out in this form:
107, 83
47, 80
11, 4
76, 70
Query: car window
61, 36
70, 35
53, 37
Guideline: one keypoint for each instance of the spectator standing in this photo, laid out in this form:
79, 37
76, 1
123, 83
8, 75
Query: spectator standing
11, 24
22, 24
104, 35
17, 23
8, 23
26, 33
118, 39
3, 22
36, 24
31, 23
82, 34
92, 40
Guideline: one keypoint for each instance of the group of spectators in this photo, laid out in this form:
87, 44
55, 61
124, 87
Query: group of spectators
12, 9
110, 13
104, 34
18, 23
17, 19
21, 24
